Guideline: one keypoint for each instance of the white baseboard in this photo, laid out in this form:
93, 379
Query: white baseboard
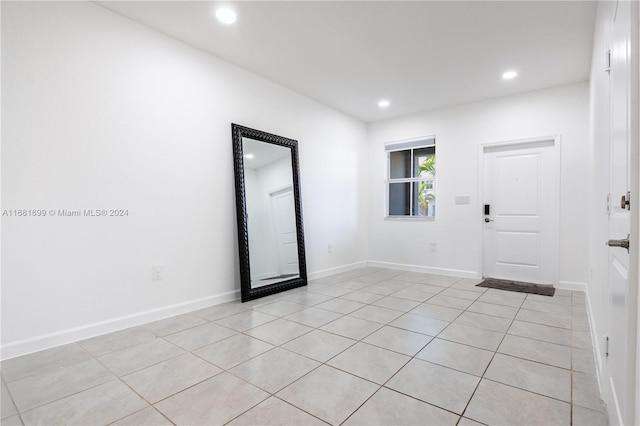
332, 271
572, 285
47, 341
424, 269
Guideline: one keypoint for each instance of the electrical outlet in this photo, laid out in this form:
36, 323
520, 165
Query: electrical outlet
434, 247
329, 249
157, 272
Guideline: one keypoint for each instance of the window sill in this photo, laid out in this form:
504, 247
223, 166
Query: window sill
410, 218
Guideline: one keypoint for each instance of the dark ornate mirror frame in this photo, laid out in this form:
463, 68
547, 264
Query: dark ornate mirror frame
248, 293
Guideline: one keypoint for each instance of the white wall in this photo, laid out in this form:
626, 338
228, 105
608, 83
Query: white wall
459, 130
99, 112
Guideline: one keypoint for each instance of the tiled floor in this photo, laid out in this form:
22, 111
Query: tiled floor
369, 346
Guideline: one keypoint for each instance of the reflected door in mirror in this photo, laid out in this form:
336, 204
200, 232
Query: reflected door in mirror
271, 219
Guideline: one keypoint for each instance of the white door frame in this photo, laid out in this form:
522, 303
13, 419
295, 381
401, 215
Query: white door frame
556, 151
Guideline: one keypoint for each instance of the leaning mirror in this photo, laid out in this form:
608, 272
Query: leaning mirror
270, 236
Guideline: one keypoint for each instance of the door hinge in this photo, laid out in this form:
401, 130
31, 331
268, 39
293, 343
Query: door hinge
607, 61
625, 202
608, 204
606, 345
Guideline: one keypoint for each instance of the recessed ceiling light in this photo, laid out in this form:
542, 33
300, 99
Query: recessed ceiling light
509, 75
383, 103
225, 15
249, 156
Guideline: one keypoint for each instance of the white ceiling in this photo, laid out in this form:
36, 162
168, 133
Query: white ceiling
419, 55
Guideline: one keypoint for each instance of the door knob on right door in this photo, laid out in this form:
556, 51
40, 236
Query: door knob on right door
619, 243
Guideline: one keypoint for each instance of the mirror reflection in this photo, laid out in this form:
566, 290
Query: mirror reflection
271, 217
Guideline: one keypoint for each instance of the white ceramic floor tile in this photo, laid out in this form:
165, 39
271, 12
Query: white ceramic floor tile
214, 401
461, 294
274, 370
536, 350
246, 320
560, 336
396, 303
486, 322
450, 302
146, 417
46, 361
137, 357
170, 377
413, 294
35, 391
7, 407
353, 328
279, 331
369, 362
280, 308
276, 412
174, 324
497, 404
457, 356
233, 351
388, 407
586, 392
472, 336
435, 311
319, 345
340, 306
437, 385
362, 297
308, 298
329, 394
376, 314
544, 318
102, 404
14, 420
313, 317
200, 336
552, 308
501, 299
420, 324
532, 376
584, 417
493, 309
112, 342
223, 310
396, 339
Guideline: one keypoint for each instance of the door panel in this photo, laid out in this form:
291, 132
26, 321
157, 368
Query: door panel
621, 341
285, 224
518, 185
521, 187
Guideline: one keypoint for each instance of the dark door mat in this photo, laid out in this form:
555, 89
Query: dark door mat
542, 289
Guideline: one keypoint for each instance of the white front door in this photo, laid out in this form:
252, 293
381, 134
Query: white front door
521, 184
622, 310
284, 216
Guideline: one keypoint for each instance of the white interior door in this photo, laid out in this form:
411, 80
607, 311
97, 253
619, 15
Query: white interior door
622, 310
284, 216
521, 184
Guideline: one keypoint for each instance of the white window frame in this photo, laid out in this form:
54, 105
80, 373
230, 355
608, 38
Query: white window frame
405, 145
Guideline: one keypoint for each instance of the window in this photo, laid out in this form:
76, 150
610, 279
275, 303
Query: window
411, 184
